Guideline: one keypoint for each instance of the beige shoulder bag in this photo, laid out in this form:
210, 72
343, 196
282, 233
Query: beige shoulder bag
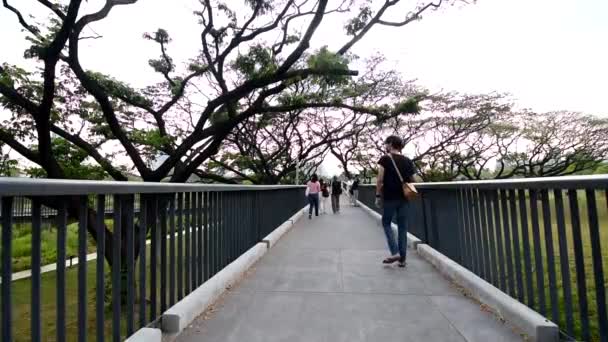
409, 190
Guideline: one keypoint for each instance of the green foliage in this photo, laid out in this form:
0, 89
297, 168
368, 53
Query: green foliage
151, 138
257, 62
71, 160
119, 89
409, 106
263, 6
356, 24
161, 36
162, 65
196, 67
327, 61
40, 41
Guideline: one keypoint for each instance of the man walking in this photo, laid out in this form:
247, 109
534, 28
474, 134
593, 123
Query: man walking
389, 194
355, 192
336, 192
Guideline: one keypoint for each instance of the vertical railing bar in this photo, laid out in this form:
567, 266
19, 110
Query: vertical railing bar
598, 269
491, 231
201, 227
82, 268
116, 265
153, 256
130, 245
222, 230
491, 238
211, 244
564, 263
232, 226
187, 228
516, 246
60, 274
216, 227
245, 220
172, 250
479, 216
474, 222
7, 238
100, 240
206, 213
525, 237
502, 279
193, 233
180, 247
579, 260
225, 227
508, 242
468, 229
540, 279
550, 254
462, 246
163, 253
36, 325
143, 232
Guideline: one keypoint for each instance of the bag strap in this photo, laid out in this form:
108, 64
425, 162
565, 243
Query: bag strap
396, 168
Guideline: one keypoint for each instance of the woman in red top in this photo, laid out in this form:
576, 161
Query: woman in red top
313, 190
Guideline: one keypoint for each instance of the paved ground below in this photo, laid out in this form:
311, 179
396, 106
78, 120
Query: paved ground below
324, 281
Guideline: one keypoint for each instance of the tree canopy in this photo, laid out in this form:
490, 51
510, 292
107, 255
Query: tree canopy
254, 62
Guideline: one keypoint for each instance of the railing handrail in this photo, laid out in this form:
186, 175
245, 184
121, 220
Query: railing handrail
563, 182
15, 186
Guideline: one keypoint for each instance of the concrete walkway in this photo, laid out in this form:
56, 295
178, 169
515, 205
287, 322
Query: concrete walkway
324, 281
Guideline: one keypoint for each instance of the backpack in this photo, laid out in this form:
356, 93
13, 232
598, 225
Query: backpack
324, 190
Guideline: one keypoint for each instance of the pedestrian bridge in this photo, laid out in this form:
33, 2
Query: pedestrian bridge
324, 281
488, 261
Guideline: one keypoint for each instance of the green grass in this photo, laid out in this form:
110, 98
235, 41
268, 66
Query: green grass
21, 301
22, 244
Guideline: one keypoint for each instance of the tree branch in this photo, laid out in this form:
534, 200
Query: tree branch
91, 151
8, 139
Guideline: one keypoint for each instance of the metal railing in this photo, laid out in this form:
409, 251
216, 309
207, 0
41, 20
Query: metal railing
538, 240
147, 259
22, 209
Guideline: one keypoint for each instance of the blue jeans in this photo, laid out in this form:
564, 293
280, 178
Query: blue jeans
398, 207
313, 201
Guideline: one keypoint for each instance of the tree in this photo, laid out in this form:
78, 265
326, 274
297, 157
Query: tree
529, 144
432, 137
248, 60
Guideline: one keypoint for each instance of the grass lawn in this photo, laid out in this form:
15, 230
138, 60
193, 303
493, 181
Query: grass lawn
22, 308
21, 297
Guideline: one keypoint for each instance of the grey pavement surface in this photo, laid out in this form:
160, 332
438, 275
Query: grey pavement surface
324, 281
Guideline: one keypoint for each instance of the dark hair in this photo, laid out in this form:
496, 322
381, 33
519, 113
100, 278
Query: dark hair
395, 142
314, 177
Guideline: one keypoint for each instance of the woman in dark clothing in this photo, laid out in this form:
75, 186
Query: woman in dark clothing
389, 195
324, 197
336, 192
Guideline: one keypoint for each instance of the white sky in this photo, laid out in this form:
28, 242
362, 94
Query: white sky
550, 54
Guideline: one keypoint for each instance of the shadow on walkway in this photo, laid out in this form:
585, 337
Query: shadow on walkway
324, 281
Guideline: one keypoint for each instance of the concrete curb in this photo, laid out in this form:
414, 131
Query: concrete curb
146, 335
271, 239
537, 327
179, 316
412, 240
